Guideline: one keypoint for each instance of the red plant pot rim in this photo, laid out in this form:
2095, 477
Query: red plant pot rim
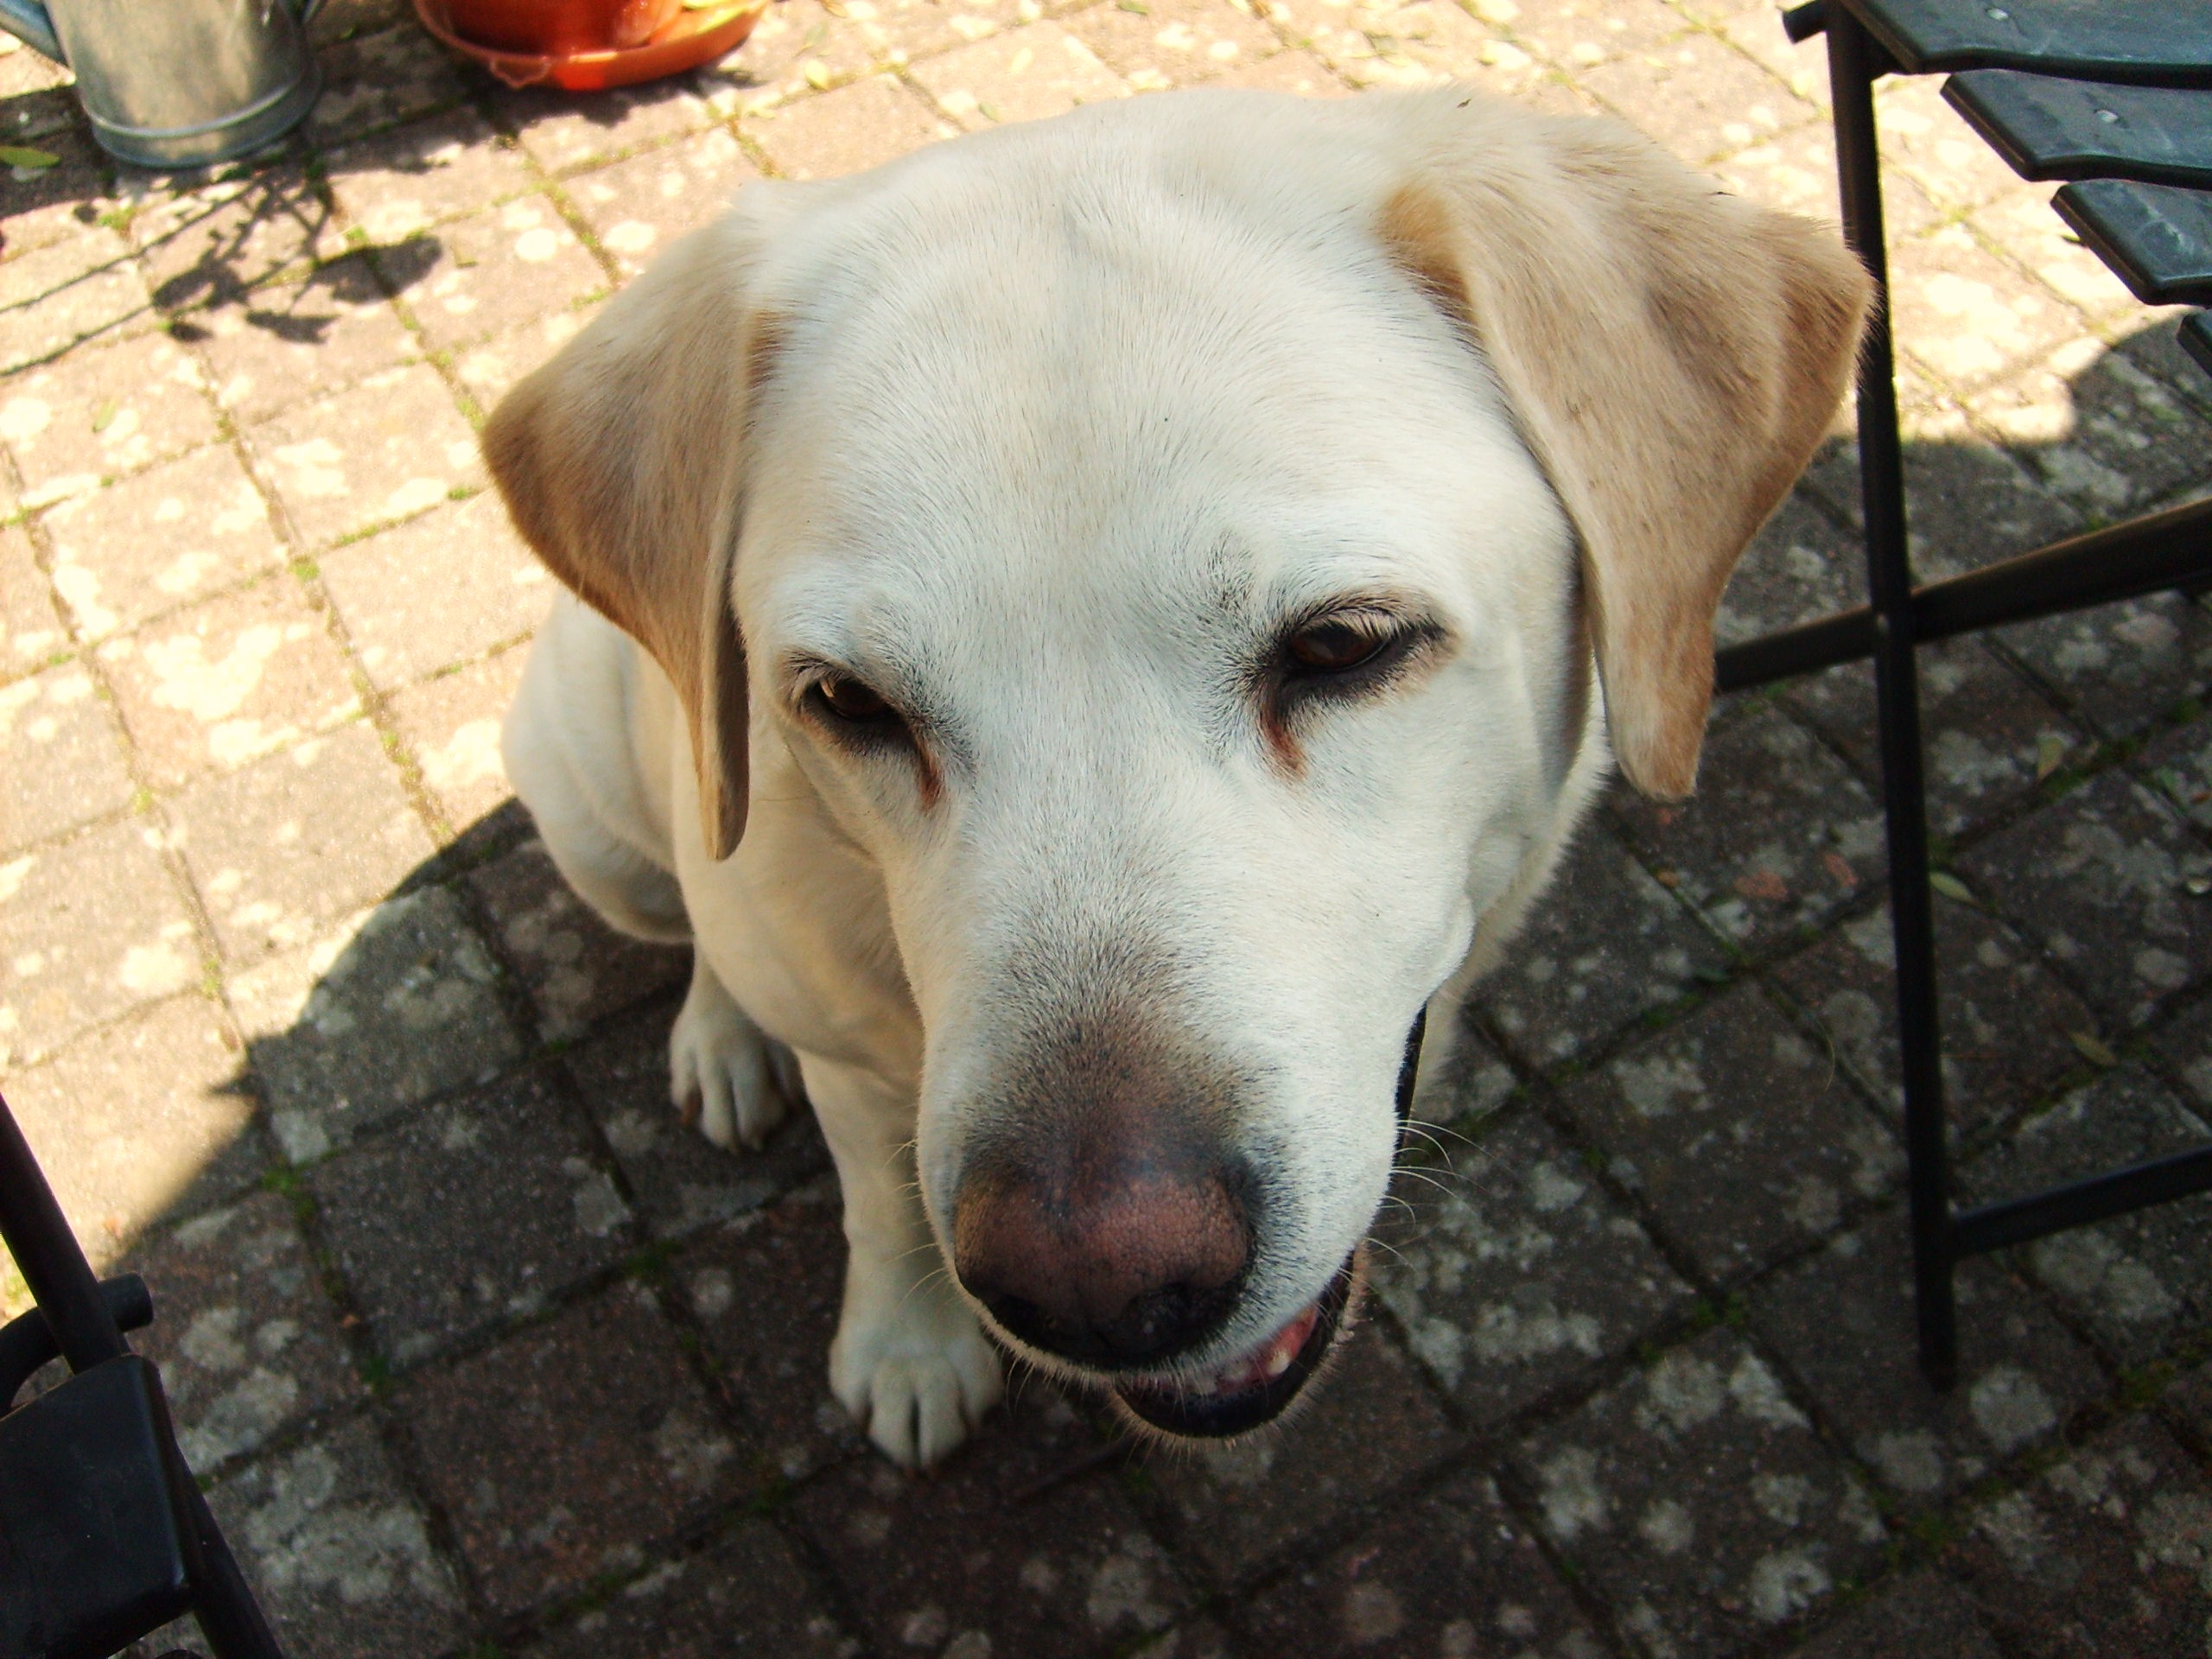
691, 40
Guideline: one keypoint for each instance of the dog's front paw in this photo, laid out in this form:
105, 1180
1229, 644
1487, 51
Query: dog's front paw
722, 1069
914, 1369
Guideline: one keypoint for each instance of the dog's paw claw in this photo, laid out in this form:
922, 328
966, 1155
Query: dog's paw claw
721, 1074
918, 1380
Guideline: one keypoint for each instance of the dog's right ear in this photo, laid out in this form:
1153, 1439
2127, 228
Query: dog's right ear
622, 462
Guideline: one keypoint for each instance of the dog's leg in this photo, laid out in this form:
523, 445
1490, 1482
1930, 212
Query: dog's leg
910, 1362
721, 1065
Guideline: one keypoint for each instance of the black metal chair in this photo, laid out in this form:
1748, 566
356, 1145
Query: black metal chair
2116, 95
105, 1536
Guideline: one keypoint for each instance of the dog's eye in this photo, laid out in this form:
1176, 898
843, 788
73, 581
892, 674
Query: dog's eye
1336, 646
848, 700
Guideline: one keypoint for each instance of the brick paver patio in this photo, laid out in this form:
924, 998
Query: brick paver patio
484, 1354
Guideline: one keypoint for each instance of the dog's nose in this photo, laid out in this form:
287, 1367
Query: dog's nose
1124, 1265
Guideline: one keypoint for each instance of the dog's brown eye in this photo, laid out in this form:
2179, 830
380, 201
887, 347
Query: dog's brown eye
1336, 646
851, 701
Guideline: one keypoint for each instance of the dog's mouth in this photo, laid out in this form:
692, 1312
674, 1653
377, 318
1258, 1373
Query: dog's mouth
1253, 1387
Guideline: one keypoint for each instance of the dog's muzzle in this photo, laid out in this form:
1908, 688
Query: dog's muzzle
1128, 1257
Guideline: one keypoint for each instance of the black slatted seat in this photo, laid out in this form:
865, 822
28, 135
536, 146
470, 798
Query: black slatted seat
2115, 97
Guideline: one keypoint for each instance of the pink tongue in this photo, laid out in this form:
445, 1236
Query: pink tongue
1273, 1358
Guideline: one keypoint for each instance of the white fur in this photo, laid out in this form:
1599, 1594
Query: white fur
1067, 418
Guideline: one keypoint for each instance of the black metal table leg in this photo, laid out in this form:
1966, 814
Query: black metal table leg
1854, 61
86, 1335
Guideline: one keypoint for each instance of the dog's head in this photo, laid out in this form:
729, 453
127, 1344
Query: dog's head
1172, 543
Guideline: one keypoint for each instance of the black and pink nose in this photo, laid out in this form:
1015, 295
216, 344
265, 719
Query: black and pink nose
1115, 1250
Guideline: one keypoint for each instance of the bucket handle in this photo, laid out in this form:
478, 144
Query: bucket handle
29, 22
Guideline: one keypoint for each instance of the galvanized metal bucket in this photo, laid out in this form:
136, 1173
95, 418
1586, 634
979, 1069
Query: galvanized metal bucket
179, 83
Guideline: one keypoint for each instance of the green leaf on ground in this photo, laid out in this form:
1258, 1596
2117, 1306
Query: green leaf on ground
29, 160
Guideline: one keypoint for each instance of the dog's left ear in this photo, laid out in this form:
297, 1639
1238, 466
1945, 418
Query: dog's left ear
622, 462
1672, 355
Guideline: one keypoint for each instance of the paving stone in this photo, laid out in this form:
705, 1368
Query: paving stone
55, 203
1989, 736
396, 1006
560, 132
1605, 943
2185, 1043
2190, 1399
247, 1343
1577, 35
2021, 222
401, 183
1695, 1497
2178, 764
99, 413
1473, 1083
578, 970
337, 1553
1968, 315
2010, 1030
386, 450
213, 243
1801, 566
2123, 666
766, 1288
1793, 172
1024, 75
378, 79
1780, 837
1368, 1429
437, 591
638, 207
1842, 1322
489, 368
799, 43
744, 1594
292, 342
31, 633
509, 266
2108, 1552
1173, 42
1521, 1278
1966, 504
142, 1121
81, 290
1925, 140
282, 849
468, 1214
1452, 1573
1299, 73
2137, 1281
1923, 1614
681, 1181
61, 754
1201, 1638
1738, 1132
1007, 1541
228, 681
452, 721
1422, 44
88, 929
1698, 97
161, 540
2101, 880
565, 1452
844, 132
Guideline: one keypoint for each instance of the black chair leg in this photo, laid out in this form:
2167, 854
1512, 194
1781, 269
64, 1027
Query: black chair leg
1854, 61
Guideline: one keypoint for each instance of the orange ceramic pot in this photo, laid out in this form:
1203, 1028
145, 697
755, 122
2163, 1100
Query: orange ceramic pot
560, 29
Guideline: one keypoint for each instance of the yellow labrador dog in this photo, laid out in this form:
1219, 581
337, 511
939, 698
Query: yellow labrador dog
1091, 629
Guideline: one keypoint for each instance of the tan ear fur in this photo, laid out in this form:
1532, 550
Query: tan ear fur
1673, 355
621, 462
